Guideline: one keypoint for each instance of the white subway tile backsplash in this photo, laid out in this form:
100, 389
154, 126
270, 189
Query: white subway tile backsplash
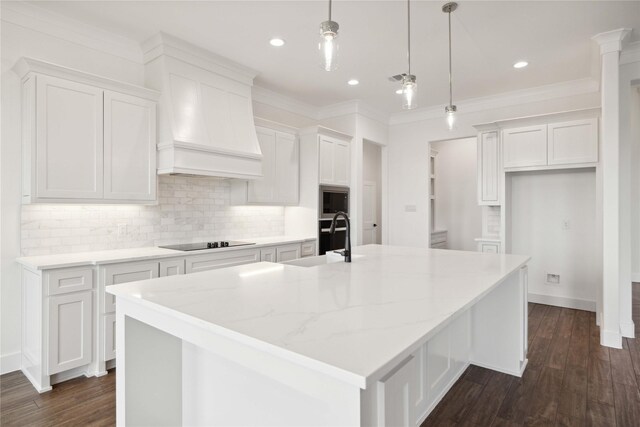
189, 209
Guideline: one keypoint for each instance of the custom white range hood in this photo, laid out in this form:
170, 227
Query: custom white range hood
205, 114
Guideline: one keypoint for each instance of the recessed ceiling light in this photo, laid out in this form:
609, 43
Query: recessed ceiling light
353, 82
276, 42
520, 64
399, 91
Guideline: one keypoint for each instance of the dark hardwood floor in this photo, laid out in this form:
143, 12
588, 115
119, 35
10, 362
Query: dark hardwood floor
570, 381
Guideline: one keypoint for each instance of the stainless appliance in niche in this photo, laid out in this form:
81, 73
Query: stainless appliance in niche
332, 200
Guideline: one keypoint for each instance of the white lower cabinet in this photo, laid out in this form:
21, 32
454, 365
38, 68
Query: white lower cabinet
109, 336
308, 249
396, 393
408, 392
70, 320
287, 253
221, 260
172, 267
268, 254
69, 328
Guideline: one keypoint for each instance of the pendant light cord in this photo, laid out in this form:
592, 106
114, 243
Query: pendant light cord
409, 34
450, 73
329, 10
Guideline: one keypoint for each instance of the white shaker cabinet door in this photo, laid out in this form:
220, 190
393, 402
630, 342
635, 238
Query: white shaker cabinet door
287, 252
122, 273
573, 142
397, 395
287, 169
129, 147
326, 166
70, 320
342, 163
488, 169
69, 140
525, 146
263, 190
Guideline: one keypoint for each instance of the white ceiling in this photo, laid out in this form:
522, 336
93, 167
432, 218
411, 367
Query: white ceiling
488, 37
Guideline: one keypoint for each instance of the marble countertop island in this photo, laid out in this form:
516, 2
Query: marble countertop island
350, 322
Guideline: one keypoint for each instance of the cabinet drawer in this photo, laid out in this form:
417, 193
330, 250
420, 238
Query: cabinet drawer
489, 247
65, 281
268, 254
109, 336
308, 249
288, 253
172, 267
70, 320
221, 260
124, 273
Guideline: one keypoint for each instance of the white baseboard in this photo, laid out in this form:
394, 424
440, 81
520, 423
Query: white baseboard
635, 277
628, 329
611, 339
9, 362
575, 303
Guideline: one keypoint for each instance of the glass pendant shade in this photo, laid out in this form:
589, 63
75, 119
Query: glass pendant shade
328, 45
451, 116
409, 92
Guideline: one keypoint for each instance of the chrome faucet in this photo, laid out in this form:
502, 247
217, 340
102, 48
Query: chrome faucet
347, 238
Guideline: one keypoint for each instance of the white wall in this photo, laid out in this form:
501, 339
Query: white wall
372, 172
408, 149
541, 202
457, 209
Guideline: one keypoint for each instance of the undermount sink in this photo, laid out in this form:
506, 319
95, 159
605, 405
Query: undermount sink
314, 261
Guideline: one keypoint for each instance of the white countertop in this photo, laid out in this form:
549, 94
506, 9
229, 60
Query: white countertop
352, 318
45, 262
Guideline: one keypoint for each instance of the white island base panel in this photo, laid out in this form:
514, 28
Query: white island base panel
174, 372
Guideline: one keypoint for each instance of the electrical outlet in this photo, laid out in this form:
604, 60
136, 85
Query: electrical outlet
410, 208
566, 224
553, 279
122, 230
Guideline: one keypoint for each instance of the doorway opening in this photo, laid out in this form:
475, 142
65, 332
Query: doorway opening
371, 193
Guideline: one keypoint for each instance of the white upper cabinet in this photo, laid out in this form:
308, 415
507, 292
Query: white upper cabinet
488, 168
525, 146
569, 139
68, 139
85, 139
280, 169
129, 147
573, 142
334, 161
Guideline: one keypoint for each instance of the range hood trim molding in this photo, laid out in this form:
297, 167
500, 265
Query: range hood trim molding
206, 121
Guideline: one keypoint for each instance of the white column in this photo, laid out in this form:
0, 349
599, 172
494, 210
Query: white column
610, 47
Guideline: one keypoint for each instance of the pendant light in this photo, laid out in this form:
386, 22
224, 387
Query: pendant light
409, 85
450, 109
328, 45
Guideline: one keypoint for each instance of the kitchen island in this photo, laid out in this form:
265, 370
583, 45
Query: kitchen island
378, 341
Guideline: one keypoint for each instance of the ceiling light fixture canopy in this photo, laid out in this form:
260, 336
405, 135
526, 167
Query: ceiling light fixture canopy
328, 44
409, 84
450, 110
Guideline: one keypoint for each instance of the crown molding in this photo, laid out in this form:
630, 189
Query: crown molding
165, 44
630, 53
54, 25
355, 106
267, 96
507, 99
611, 41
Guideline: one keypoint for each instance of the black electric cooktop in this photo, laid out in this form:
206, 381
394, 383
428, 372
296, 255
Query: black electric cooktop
206, 245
